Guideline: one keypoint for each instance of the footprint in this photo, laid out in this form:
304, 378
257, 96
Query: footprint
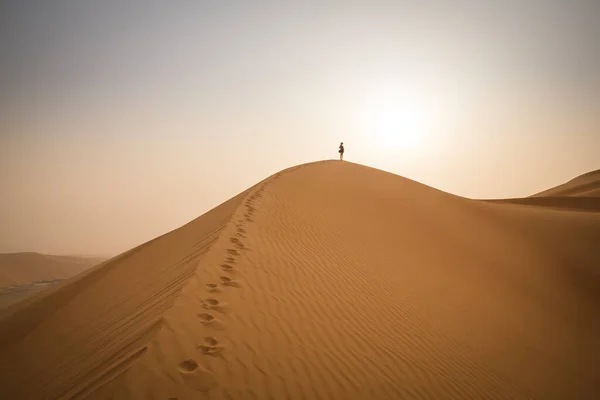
213, 287
210, 347
196, 376
233, 252
249, 220
230, 260
228, 268
226, 281
209, 351
241, 230
210, 321
237, 242
214, 304
241, 235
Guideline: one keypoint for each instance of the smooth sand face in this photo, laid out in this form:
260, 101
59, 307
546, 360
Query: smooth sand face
327, 280
586, 185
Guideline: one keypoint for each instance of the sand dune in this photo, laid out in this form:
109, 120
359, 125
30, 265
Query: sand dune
24, 275
591, 204
579, 194
327, 281
586, 185
26, 268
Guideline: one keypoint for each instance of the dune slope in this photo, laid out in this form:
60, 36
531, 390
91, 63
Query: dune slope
579, 194
586, 185
327, 281
81, 332
25, 268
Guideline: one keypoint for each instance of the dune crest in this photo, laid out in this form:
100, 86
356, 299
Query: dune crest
327, 280
586, 185
579, 194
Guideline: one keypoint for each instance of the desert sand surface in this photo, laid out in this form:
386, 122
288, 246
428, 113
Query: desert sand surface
14, 294
579, 194
18, 269
329, 280
586, 185
23, 275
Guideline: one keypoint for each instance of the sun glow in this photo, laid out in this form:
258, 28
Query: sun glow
397, 123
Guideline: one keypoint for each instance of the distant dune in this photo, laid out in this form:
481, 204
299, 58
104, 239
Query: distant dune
329, 280
25, 268
586, 185
579, 194
23, 275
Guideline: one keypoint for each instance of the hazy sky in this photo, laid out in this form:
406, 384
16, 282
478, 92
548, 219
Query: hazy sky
121, 120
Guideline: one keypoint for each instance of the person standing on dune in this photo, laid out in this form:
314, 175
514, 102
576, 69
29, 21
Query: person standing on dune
341, 151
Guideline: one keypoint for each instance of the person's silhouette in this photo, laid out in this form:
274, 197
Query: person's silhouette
341, 151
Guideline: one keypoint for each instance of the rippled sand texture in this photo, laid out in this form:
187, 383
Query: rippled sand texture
328, 281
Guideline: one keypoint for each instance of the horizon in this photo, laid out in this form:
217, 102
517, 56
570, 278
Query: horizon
107, 256
122, 123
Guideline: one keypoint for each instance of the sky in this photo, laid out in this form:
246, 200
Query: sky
122, 120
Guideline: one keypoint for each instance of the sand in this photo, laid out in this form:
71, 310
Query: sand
327, 281
586, 185
18, 269
24, 275
14, 294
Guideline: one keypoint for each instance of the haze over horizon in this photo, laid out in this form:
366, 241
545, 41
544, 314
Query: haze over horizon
120, 121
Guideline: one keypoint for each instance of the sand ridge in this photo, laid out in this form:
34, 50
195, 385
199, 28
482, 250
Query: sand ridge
585, 185
92, 327
301, 327
333, 280
579, 194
